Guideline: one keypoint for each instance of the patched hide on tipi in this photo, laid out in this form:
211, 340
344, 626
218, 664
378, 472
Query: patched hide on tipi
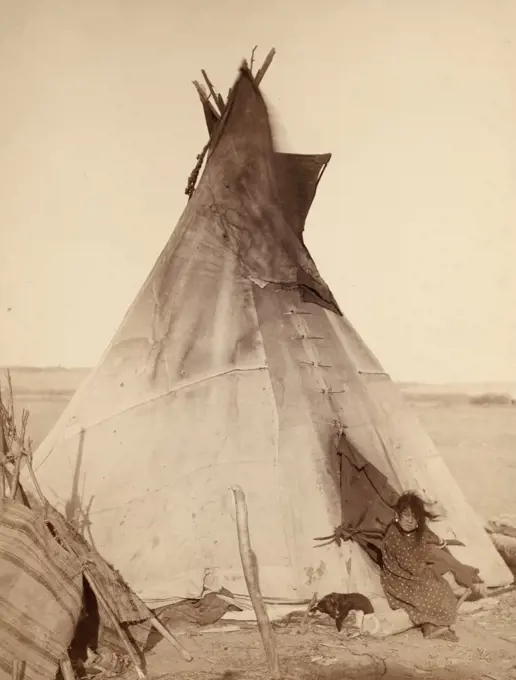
235, 366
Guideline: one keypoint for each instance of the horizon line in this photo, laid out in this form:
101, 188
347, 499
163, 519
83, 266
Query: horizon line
56, 367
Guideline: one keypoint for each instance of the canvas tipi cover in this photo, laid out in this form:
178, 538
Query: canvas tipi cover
235, 366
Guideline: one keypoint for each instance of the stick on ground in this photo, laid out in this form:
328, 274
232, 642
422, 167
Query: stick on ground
156, 623
250, 567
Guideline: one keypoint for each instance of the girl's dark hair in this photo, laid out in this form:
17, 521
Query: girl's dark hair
413, 502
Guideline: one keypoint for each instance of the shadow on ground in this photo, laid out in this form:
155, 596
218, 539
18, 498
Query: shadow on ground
338, 671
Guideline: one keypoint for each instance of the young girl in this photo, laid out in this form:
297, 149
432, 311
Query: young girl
408, 579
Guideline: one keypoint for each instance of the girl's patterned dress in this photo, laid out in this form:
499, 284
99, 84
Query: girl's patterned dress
410, 583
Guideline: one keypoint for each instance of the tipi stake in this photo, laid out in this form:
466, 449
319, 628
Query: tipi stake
250, 568
463, 597
304, 620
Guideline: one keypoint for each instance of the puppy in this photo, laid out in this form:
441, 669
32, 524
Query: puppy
339, 605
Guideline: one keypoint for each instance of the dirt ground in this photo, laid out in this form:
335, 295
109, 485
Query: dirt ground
479, 445
487, 649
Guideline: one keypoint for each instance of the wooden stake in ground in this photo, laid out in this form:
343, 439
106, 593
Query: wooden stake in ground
250, 567
463, 597
304, 621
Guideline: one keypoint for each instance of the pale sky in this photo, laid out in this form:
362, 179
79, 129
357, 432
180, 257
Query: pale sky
413, 224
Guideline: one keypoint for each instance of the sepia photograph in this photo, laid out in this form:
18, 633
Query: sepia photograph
258, 339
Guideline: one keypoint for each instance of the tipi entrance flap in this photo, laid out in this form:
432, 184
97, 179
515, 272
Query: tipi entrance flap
367, 499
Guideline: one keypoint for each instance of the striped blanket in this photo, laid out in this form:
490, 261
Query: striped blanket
40, 594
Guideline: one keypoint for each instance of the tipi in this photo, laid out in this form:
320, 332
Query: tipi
235, 366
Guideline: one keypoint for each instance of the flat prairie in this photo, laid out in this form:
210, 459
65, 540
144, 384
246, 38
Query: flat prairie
472, 425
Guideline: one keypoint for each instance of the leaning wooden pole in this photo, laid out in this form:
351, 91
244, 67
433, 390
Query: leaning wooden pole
67, 670
250, 567
268, 59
